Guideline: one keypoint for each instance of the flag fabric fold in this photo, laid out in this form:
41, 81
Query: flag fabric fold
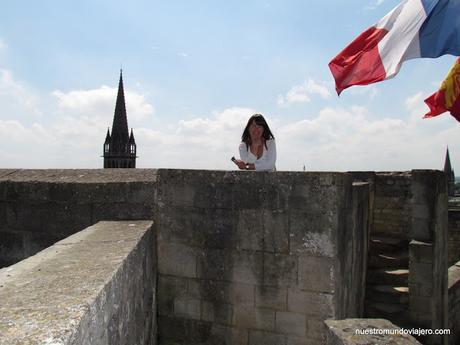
448, 96
413, 29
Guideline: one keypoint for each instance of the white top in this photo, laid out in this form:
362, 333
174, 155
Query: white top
266, 162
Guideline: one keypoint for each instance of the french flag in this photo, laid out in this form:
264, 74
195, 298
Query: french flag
413, 29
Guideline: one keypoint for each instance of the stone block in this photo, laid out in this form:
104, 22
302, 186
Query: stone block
223, 335
221, 291
340, 332
36, 241
421, 211
420, 229
266, 338
250, 231
187, 307
265, 319
293, 340
420, 273
218, 228
271, 297
276, 231
247, 267
215, 264
311, 233
221, 313
176, 193
180, 225
316, 274
255, 318
249, 195
242, 294
280, 270
121, 211
420, 305
421, 252
84, 289
214, 193
179, 330
177, 259
316, 329
244, 317
291, 323
314, 304
421, 289
11, 246
67, 218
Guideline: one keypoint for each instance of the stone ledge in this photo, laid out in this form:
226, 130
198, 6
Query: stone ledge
72, 292
343, 332
78, 175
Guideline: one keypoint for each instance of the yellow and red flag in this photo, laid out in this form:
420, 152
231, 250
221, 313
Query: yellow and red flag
448, 96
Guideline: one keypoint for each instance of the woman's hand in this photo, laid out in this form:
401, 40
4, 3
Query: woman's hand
241, 164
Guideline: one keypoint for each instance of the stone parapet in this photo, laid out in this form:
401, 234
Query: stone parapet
40, 207
366, 331
454, 303
258, 258
94, 287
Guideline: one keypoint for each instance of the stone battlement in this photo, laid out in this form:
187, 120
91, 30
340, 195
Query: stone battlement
243, 257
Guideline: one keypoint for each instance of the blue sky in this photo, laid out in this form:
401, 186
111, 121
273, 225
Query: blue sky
194, 71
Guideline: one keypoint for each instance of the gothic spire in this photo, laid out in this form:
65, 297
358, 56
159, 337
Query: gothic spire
107, 137
131, 137
447, 165
120, 123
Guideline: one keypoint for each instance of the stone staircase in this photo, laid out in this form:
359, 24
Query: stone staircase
387, 291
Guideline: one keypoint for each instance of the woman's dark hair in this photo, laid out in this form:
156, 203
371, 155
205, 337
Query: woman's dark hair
259, 120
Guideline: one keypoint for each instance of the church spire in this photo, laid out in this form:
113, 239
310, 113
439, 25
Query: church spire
120, 132
120, 147
450, 175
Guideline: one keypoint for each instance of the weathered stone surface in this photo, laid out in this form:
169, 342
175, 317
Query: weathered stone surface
314, 304
309, 266
280, 270
344, 332
291, 323
177, 259
78, 291
231, 244
276, 231
266, 338
271, 297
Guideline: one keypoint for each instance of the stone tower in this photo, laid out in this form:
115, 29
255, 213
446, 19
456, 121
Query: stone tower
120, 146
450, 176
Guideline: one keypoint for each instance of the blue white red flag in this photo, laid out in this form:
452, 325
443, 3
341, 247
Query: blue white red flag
413, 29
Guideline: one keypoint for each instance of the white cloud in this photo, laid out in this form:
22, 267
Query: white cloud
301, 93
369, 91
101, 103
374, 4
16, 97
337, 139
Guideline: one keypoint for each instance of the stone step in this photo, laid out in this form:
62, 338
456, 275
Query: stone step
383, 276
385, 244
396, 313
389, 260
387, 294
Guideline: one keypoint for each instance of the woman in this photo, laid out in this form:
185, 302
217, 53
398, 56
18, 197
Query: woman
257, 148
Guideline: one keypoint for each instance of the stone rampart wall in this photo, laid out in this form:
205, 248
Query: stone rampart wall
454, 236
40, 207
254, 258
392, 208
454, 303
95, 287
